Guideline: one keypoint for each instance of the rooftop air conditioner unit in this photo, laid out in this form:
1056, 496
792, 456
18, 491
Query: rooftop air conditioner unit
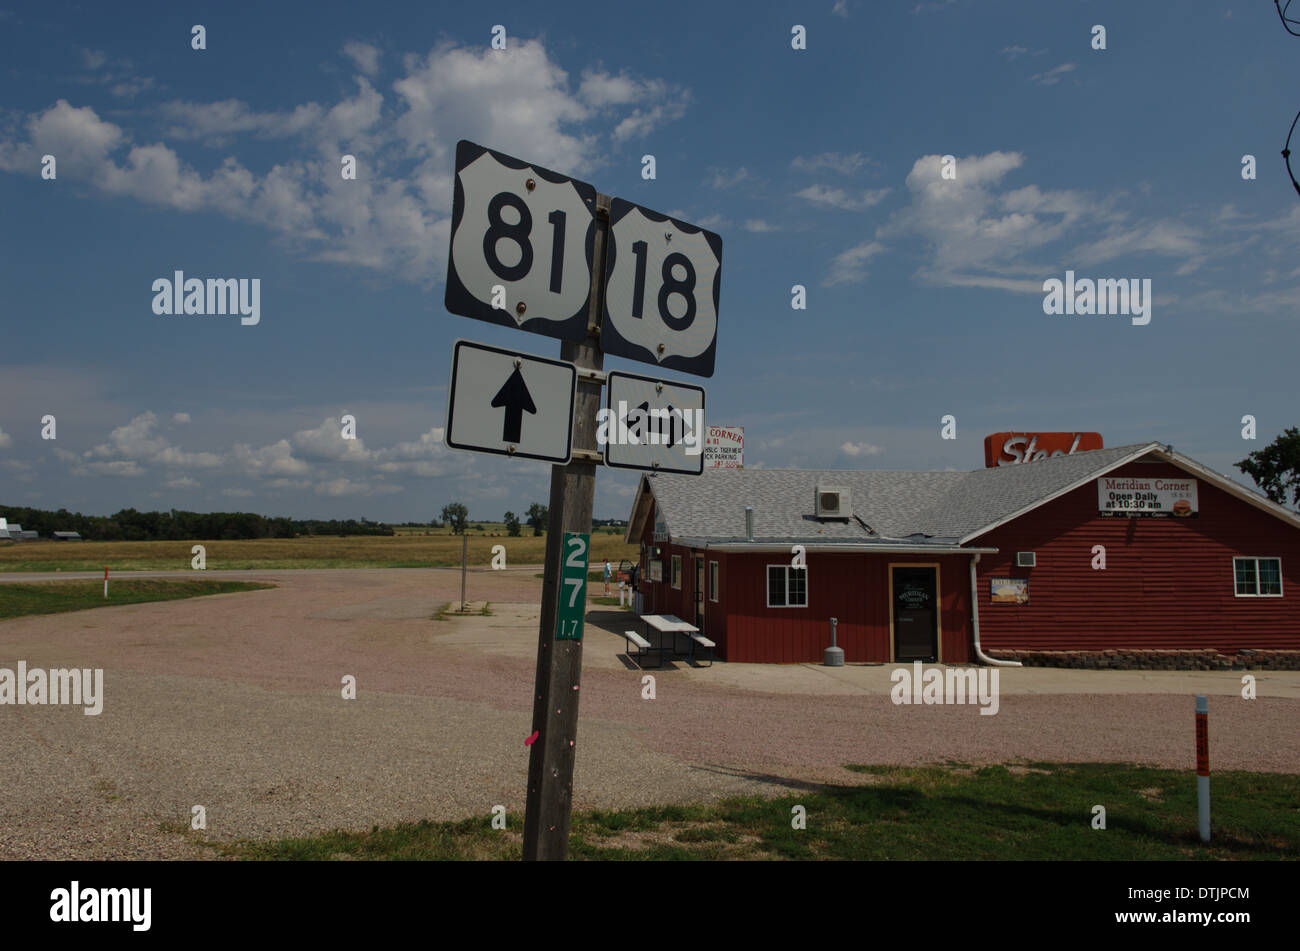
1025, 559
834, 501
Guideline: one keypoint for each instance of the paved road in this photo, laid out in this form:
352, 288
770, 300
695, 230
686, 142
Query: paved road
233, 702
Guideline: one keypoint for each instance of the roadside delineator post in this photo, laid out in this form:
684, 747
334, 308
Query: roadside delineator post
106, 581
1203, 765
464, 562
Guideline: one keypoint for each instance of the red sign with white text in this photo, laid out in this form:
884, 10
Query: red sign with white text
1009, 449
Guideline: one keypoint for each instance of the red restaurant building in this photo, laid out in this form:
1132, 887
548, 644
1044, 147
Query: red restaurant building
1131, 549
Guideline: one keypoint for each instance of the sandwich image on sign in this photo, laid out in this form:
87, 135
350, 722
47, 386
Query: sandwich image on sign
1009, 590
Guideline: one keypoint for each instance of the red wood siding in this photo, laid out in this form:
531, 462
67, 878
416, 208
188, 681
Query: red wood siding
853, 587
1168, 582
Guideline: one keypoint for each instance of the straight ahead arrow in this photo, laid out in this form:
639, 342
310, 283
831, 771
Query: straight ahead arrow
514, 396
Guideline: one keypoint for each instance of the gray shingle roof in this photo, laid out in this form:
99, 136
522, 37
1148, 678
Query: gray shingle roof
893, 504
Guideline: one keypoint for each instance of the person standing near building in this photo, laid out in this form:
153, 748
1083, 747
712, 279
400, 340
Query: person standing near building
609, 571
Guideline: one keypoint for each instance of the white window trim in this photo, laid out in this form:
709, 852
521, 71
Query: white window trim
767, 587
675, 578
715, 575
1257, 559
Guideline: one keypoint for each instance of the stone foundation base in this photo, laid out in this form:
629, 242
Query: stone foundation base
1190, 659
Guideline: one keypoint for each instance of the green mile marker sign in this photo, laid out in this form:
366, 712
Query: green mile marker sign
573, 588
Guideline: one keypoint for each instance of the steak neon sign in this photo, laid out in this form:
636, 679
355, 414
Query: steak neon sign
1009, 449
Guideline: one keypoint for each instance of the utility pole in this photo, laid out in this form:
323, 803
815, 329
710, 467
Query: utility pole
559, 662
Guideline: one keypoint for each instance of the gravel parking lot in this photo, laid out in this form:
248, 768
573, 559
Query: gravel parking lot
233, 702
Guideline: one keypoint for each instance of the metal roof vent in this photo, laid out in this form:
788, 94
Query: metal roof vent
834, 501
749, 522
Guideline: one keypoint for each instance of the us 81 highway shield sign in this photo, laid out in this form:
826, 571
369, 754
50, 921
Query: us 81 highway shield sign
662, 281
521, 244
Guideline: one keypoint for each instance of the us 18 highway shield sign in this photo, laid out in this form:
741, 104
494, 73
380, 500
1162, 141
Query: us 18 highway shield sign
662, 279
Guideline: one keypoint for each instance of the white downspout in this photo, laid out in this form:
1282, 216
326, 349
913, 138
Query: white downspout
975, 622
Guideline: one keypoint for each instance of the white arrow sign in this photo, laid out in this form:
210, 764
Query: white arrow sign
662, 280
652, 424
521, 244
511, 404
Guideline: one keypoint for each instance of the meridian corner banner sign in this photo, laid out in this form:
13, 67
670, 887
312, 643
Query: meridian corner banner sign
1128, 495
1009, 449
725, 447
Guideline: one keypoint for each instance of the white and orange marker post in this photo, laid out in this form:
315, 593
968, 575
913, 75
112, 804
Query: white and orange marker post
1203, 765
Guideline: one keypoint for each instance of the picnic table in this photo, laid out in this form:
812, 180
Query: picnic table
670, 624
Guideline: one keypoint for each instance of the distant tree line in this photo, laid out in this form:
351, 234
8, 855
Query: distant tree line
130, 525
456, 515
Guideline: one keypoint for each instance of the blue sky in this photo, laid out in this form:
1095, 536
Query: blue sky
818, 167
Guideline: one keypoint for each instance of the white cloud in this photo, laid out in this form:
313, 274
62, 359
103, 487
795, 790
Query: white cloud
759, 226
601, 90
238, 493
394, 217
93, 59
712, 222
1052, 76
118, 468
180, 417
275, 459
721, 178
644, 121
326, 442
829, 197
844, 164
364, 55
184, 482
137, 441
77, 137
841, 8
336, 488
1168, 238
849, 267
130, 88
5, 440
979, 235
861, 449
218, 121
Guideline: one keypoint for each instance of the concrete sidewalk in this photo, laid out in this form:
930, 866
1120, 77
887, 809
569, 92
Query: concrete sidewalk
512, 630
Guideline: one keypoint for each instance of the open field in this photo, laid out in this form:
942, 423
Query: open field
1030, 812
317, 551
55, 597
492, 528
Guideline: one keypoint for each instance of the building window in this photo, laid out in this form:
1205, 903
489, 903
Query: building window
1257, 577
787, 587
677, 571
713, 581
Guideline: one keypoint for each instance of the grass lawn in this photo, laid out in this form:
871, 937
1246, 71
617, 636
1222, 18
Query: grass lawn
53, 597
317, 551
1040, 811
